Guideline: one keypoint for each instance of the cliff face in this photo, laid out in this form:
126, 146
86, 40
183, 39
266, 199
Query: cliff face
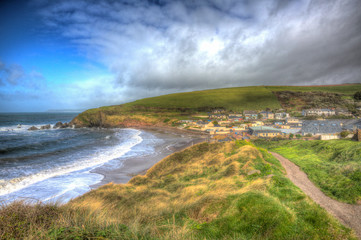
101, 117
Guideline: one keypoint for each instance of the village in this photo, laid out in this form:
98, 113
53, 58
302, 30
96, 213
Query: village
321, 124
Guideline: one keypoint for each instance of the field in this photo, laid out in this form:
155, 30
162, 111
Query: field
208, 191
347, 89
232, 99
334, 166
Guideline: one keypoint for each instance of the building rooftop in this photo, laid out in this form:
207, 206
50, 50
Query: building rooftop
263, 128
321, 127
250, 112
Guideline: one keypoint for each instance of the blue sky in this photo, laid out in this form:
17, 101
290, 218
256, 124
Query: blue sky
77, 54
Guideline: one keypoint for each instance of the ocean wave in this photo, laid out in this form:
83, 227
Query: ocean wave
23, 128
43, 143
89, 162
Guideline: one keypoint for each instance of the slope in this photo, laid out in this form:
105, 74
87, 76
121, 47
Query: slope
167, 109
208, 191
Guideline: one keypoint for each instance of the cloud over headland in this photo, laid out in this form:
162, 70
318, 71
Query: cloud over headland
162, 46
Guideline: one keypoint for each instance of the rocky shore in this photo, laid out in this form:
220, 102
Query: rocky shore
48, 126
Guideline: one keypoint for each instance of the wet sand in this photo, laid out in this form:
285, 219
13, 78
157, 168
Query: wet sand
174, 141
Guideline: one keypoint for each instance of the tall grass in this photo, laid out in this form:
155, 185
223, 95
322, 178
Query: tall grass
334, 166
208, 191
20, 220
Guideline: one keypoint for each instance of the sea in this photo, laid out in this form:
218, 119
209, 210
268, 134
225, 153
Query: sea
56, 164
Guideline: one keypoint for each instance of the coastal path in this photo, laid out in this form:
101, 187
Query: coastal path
348, 214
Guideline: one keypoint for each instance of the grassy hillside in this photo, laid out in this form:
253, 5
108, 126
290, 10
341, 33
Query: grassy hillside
347, 89
208, 191
166, 109
232, 99
334, 166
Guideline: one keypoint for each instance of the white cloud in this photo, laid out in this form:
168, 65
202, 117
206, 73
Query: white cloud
177, 46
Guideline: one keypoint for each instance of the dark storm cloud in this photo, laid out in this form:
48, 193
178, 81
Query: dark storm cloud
156, 47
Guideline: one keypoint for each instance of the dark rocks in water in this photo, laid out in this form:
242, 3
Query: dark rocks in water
33, 128
61, 125
45, 127
58, 125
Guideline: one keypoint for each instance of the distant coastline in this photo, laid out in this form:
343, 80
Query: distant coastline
65, 110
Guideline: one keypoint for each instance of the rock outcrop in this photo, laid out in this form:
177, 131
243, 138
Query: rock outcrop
45, 127
58, 125
33, 128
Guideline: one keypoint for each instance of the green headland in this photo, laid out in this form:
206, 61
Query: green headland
166, 110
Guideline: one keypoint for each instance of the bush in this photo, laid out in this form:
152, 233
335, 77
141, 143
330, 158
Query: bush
344, 134
19, 219
357, 96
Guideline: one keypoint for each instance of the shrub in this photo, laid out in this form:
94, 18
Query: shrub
19, 219
357, 96
344, 134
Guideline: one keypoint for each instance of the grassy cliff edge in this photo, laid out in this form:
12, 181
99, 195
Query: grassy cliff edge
334, 166
208, 191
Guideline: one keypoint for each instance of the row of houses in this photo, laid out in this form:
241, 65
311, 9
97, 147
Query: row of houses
325, 112
249, 115
321, 129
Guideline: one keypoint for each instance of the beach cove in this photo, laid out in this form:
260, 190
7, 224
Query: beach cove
174, 140
60, 164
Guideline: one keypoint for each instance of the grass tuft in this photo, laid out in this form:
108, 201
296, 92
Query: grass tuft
203, 192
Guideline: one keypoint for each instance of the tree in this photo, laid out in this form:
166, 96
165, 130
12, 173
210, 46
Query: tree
298, 136
215, 123
357, 96
291, 136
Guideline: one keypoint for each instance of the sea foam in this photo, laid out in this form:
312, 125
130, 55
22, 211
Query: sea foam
92, 161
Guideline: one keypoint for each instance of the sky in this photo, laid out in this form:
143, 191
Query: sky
80, 54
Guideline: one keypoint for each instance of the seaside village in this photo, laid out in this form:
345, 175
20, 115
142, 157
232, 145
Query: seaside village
326, 124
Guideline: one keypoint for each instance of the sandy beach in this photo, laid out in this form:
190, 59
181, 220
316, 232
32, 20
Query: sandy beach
174, 140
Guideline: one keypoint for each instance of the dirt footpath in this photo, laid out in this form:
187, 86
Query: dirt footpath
348, 214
